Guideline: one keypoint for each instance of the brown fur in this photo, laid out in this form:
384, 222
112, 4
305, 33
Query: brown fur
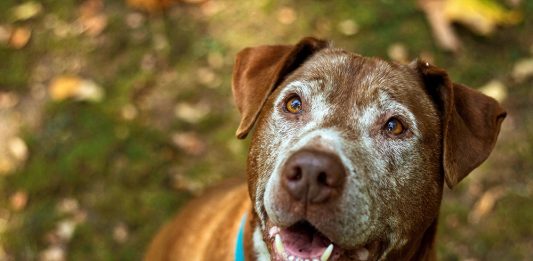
392, 196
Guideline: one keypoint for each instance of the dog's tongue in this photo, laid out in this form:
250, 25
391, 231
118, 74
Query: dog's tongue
304, 240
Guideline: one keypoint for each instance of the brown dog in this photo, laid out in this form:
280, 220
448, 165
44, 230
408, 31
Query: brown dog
347, 161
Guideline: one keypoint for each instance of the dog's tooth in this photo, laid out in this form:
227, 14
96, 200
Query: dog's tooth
291, 258
307, 259
362, 254
327, 253
273, 231
279, 245
315, 259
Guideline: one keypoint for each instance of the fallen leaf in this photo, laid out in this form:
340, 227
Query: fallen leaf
189, 142
480, 16
67, 206
53, 253
129, 112
8, 100
120, 233
5, 34
398, 52
65, 229
64, 87
150, 5
485, 204
348, 27
191, 113
286, 15
20, 36
26, 11
495, 89
18, 148
522, 70
19, 200
92, 18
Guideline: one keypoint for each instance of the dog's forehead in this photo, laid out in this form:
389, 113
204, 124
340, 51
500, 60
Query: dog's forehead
345, 76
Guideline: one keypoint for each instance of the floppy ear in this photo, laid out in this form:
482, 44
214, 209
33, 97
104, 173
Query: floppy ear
470, 120
258, 71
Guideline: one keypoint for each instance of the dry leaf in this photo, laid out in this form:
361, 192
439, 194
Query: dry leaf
92, 18
485, 204
191, 113
348, 27
65, 229
5, 34
26, 11
19, 200
398, 52
64, 87
189, 142
522, 70
20, 36
286, 15
495, 89
18, 148
53, 253
481, 16
120, 233
150, 5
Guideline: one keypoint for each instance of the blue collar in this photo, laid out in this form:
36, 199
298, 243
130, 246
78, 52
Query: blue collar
239, 244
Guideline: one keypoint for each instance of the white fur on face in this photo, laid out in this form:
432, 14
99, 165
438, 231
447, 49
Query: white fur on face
261, 250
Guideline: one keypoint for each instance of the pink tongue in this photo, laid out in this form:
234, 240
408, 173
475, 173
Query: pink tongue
303, 240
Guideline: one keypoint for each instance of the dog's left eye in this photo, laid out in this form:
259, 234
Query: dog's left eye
394, 127
293, 104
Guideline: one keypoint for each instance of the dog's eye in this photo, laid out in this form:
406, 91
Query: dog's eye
293, 104
394, 127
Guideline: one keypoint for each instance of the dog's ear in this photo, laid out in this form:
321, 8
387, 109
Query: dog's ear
470, 122
258, 71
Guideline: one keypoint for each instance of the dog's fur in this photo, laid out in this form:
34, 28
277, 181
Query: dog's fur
389, 202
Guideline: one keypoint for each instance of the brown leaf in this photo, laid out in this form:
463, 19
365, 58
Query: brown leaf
20, 36
19, 200
92, 18
485, 204
189, 142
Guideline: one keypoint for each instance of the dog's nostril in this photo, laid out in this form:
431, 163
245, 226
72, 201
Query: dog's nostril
296, 174
322, 178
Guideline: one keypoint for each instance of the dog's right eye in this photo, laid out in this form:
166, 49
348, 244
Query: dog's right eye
293, 104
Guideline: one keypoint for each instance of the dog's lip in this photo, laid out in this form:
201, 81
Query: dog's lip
301, 241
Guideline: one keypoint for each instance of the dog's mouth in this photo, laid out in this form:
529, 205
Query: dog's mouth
302, 241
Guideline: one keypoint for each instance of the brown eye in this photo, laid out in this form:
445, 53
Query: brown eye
293, 104
394, 127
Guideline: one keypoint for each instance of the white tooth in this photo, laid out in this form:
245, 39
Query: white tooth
291, 258
363, 254
327, 253
307, 259
315, 259
279, 245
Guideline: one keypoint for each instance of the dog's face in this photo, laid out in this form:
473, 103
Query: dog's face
346, 162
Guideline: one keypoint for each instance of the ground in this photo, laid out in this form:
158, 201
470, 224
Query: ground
111, 118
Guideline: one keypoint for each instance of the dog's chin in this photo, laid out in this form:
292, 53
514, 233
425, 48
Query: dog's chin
303, 241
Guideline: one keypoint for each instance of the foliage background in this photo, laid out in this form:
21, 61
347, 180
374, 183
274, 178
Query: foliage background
94, 180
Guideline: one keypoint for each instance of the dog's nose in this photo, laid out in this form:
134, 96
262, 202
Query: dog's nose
313, 176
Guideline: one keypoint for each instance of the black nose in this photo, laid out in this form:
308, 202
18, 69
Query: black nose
313, 176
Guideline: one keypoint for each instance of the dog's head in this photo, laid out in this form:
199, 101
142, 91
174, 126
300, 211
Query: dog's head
350, 153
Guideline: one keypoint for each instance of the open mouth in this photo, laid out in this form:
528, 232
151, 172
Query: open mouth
303, 242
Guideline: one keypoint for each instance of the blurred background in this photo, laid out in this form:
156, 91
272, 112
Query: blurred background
115, 113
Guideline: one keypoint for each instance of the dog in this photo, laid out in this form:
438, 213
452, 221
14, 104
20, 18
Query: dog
347, 161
